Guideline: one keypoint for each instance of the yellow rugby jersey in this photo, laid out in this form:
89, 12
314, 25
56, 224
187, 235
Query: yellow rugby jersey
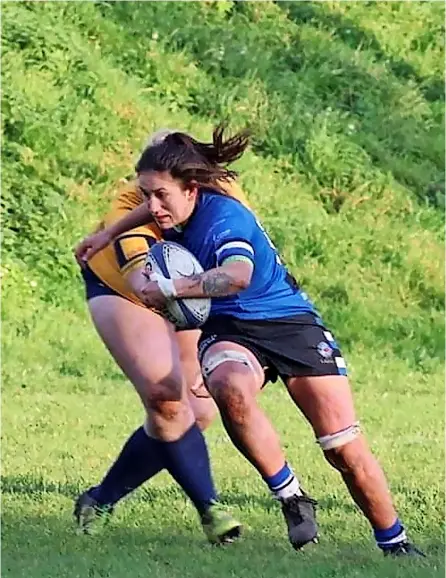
128, 251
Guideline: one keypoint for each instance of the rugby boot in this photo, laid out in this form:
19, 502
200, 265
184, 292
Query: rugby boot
91, 516
403, 549
300, 515
219, 525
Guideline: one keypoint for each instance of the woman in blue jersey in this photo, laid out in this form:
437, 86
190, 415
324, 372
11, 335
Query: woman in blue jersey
262, 325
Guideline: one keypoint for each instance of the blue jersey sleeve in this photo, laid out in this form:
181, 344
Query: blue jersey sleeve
232, 237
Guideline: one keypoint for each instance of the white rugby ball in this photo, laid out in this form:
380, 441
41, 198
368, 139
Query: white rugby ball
173, 261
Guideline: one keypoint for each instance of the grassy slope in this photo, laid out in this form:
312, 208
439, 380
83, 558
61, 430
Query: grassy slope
346, 172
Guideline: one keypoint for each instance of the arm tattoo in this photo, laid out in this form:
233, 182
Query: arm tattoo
211, 284
195, 280
217, 284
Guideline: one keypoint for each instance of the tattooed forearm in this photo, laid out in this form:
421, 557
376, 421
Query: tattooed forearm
217, 284
212, 283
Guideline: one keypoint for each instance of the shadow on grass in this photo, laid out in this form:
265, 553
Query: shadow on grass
44, 544
356, 37
31, 485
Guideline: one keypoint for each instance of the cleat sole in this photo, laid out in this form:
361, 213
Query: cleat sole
229, 537
300, 546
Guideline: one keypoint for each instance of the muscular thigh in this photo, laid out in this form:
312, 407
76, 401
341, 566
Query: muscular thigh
188, 348
142, 343
326, 401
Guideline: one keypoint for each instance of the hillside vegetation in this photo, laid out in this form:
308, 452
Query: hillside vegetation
346, 170
347, 162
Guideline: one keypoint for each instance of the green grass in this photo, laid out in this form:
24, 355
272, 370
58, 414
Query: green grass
66, 411
346, 103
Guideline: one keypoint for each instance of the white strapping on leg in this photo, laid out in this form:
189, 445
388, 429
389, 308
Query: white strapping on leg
213, 360
339, 438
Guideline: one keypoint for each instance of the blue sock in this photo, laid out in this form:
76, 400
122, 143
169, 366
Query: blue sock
187, 460
140, 459
391, 536
284, 483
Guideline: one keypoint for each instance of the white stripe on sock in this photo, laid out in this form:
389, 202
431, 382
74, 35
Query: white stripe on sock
292, 488
400, 538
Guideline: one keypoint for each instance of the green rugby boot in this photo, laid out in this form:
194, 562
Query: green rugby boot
91, 517
219, 526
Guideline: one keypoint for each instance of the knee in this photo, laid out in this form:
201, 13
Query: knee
205, 415
232, 397
348, 459
165, 399
203, 407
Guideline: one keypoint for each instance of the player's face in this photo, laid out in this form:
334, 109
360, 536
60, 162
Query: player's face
169, 201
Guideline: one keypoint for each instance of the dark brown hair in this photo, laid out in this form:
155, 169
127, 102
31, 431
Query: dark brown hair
190, 160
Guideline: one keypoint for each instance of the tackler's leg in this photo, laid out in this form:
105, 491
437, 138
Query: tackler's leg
140, 459
145, 347
234, 376
326, 401
201, 402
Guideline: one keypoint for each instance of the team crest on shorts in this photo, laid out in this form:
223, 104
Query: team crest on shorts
325, 351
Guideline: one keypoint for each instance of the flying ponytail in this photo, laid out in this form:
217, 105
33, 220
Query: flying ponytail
187, 159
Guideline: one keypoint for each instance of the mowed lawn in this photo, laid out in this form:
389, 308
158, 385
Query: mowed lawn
67, 410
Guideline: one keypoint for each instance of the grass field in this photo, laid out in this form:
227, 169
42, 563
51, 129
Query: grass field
66, 411
346, 101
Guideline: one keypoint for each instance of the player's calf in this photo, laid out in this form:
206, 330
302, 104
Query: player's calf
348, 452
233, 384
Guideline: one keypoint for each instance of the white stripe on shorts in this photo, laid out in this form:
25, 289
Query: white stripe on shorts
328, 336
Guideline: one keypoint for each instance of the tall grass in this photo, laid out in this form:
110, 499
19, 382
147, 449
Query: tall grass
348, 154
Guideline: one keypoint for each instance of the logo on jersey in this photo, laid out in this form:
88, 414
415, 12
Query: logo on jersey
325, 351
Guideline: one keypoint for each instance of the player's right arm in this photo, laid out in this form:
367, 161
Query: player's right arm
228, 279
233, 254
94, 243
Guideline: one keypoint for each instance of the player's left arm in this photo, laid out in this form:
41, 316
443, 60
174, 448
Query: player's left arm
234, 258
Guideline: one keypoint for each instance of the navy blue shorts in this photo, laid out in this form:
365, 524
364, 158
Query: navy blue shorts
94, 286
295, 346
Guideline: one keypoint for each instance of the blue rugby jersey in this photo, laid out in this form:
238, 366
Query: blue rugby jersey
221, 227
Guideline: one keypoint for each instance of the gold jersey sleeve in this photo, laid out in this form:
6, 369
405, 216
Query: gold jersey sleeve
128, 252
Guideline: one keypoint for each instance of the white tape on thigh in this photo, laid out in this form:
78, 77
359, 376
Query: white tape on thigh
339, 438
212, 361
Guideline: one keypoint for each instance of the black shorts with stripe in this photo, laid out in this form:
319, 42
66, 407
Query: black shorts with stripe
287, 347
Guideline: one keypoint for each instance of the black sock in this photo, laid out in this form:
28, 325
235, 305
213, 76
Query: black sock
187, 460
141, 458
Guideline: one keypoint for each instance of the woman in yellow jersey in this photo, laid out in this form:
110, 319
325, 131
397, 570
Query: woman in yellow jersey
161, 364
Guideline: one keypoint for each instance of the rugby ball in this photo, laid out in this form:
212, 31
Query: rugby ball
173, 261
